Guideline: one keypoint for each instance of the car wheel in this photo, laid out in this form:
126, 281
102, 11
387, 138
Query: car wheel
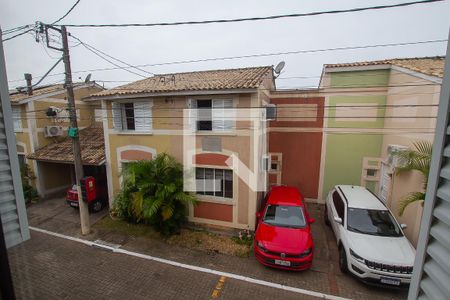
96, 206
342, 260
325, 217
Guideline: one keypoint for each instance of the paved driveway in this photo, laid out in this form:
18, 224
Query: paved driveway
323, 277
56, 214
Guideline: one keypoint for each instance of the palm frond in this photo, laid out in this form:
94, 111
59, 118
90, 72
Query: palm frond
411, 198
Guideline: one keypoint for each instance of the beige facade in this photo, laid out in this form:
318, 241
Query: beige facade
421, 92
170, 128
167, 136
30, 134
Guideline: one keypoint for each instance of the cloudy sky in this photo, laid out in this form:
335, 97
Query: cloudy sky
153, 45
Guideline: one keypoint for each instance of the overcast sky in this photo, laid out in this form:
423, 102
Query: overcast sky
139, 46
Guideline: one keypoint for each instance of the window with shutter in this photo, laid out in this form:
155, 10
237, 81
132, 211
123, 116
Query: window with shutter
204, 122
142, 116
192, 115
117, 116
17, 118
217, 115
133, 116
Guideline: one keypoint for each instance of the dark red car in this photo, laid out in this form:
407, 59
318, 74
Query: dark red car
283, 236
96, 195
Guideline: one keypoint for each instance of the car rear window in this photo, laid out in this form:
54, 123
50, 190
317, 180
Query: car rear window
284, 216
372, 221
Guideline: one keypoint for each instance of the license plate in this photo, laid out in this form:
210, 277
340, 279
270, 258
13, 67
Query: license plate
391, 281
74, 204
282, 263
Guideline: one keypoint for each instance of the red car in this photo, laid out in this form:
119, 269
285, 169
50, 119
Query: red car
283, 237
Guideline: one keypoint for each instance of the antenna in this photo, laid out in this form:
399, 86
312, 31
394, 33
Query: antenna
278, 68
88, 78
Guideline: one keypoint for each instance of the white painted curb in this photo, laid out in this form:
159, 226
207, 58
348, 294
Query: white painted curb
191, 267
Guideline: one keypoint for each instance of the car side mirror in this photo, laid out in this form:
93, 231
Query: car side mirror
403, 226
338, 220
258, 215
311, 220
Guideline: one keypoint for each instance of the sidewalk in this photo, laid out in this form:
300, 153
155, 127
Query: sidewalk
48, 267
323, 277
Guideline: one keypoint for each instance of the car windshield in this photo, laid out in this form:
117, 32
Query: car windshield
284, 216
371, 221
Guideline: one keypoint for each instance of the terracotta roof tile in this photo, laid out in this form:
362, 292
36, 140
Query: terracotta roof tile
433, 66
92, 149
18, 96
244, 78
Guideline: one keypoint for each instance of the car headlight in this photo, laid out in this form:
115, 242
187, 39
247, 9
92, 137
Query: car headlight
306, 252
356, 256
261, 247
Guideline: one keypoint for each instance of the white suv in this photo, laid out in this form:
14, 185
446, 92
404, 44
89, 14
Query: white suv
371, 243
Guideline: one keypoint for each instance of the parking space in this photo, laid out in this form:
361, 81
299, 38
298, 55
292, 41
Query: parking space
56, 215
324, 276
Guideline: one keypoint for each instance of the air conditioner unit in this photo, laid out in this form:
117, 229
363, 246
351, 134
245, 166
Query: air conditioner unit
266, 162
50, 131
393, 160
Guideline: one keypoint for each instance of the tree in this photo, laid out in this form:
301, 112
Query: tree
153, 193
417, 159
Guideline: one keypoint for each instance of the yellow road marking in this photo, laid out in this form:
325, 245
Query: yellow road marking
219, 286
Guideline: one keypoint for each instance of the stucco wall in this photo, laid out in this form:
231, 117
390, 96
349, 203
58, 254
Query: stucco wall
167, 137
421, 95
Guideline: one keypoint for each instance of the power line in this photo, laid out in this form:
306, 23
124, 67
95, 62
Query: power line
67, 13
273, 17
112, 57
283, 53
15, 29
113, 63
260, 55
17, 35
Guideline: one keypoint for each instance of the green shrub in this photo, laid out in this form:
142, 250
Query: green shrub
29, 192
152, 193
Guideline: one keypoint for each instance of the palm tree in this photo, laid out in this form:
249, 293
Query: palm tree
153, 193
417, 159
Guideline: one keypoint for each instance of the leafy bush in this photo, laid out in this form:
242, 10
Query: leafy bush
29, 192
152, 193
417, 159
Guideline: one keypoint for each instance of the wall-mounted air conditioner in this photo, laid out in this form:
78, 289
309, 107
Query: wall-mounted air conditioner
393, 160
51, 131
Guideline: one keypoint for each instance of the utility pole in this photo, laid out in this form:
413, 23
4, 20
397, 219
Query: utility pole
73, 130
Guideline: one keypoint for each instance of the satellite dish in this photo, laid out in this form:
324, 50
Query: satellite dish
279, 67
88, 78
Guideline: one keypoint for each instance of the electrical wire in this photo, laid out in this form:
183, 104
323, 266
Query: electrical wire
273, 17
106, 54
67, 13
17, 35
265, 55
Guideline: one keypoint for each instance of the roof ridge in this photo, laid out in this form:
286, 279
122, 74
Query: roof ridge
214, 70
389, 60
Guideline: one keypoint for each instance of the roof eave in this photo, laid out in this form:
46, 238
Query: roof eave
66, 161
328, 69
171, 94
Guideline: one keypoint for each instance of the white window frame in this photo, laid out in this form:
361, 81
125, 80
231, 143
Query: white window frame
98, 115
217, 105
143, 125
219, 198
17, 118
